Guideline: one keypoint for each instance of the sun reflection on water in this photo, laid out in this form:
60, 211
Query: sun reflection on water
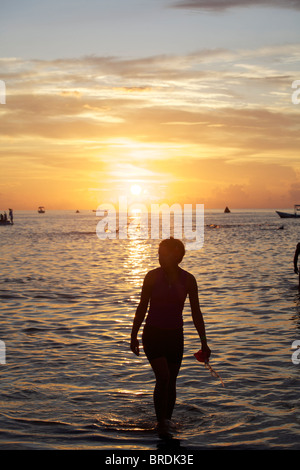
137, 259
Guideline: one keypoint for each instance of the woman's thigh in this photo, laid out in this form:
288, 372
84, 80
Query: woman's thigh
161, 369
164, 370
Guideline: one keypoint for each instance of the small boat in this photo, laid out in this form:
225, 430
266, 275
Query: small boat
226, 210
287, 215
41, 210
5, 222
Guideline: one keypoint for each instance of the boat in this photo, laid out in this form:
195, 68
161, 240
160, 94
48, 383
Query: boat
287, 215
5, 222
227, 210
41, 210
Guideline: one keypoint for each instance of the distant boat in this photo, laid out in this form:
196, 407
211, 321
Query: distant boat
287, 215
77, 212
226, 210
41, 210
5, 222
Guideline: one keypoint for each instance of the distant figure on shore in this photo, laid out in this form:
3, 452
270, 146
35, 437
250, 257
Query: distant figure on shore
296, 270
166, 287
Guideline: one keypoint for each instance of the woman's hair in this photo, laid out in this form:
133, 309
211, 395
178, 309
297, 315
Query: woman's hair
175, 246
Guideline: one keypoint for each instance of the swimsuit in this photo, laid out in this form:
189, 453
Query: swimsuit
167, 300
161, 342
163, 331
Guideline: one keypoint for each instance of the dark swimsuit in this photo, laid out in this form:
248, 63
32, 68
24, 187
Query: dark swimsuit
163, 331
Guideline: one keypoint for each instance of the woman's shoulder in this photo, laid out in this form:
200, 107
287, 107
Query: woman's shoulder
187, 274
152, 274
189, 277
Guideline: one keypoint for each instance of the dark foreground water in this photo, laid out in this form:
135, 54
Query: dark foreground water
69, 380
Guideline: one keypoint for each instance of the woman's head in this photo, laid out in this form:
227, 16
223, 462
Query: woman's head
171, 251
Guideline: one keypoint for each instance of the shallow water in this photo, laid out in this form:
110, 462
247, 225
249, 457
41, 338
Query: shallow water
67, 304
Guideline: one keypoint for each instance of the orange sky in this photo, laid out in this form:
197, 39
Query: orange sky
214, 126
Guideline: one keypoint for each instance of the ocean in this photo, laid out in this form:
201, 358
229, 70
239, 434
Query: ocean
68, 378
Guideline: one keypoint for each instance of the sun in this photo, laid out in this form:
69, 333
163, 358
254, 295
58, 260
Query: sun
136, 189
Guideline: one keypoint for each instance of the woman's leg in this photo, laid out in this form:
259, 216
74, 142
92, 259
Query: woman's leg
162, 375
173, 371
164, 392
165, 368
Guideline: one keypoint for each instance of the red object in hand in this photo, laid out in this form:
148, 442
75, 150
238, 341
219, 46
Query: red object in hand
201, 356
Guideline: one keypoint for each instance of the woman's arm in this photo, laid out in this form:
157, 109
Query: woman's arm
140, 313
197, 314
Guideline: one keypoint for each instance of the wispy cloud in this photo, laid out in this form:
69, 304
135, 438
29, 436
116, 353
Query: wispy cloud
206, 96
94, 121
222, 5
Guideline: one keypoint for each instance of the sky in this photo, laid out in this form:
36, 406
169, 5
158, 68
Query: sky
191, 100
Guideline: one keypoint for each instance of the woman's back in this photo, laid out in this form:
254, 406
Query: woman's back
167, 299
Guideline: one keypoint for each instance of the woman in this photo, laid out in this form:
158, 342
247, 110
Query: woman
166, 287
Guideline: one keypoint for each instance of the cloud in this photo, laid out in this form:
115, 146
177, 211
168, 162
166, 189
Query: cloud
222, 5
186, 122
218, 98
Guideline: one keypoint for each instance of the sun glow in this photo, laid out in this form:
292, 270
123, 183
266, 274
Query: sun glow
135, 211
136, 189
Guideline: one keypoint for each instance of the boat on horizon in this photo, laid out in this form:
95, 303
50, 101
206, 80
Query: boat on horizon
287, 215
6, 222
41, 210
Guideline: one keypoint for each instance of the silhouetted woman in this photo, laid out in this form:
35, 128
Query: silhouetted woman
167, 288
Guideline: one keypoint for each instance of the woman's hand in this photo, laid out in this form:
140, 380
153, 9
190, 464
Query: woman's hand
134, 346
206, 350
